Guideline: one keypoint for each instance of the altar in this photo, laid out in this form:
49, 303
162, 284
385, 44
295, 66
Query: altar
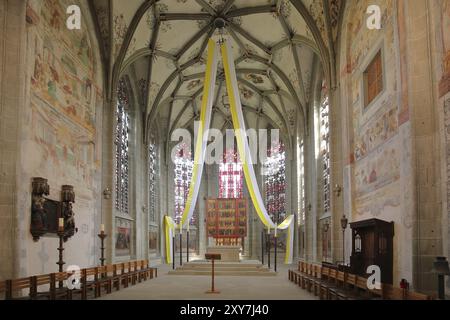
228, 253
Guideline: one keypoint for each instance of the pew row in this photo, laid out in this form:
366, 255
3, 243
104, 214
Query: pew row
332, 284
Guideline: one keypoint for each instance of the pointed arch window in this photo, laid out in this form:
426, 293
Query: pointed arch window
183, 173
275, 182
301, 214
122, 149
153, 175
324, 118
231, 176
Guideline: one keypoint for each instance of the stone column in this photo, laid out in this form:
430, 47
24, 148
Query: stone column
427, 232
12, 101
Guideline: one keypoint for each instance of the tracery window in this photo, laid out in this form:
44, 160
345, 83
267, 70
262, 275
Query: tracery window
122, 148
275, 182
183, 173
301, 214
152, 177
231, 176
324, 118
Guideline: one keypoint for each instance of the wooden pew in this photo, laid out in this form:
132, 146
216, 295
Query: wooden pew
322, 276
2, 289
104, 280
18, 285
89, 279
334, 291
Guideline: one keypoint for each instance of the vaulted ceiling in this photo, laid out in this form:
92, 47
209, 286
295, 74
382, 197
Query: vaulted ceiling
278, 46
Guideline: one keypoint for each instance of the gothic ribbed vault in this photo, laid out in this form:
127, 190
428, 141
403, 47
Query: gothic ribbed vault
278, 47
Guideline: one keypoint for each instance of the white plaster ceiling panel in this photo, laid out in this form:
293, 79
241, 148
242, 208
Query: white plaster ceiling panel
297, 24
177, 107
182, 6
264, 27
239, 4
272, 114
142, 35
170, 90
176, 34
306, 58
194, 51
123, 13
285, 61
246, 47
251, 64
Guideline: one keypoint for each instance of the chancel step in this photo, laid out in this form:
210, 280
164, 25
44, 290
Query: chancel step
203, 268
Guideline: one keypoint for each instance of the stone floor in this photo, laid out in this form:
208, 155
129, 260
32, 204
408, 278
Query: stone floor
170, 287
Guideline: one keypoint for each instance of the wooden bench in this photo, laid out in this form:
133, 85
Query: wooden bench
18, 285
2, 289
322, 276
339, 286
104, 280
94, 280
89, 281
335, 283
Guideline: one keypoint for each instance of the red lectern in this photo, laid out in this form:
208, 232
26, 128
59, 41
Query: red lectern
212, 257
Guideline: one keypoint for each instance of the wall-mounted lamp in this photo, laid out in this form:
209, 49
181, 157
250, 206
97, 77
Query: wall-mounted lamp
107, 193
309, 206
337, 190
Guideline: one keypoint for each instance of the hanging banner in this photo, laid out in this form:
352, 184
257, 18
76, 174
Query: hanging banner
169, 226
243, 148
202, 134
289, 225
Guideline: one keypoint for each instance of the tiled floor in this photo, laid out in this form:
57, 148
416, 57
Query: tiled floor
167, 287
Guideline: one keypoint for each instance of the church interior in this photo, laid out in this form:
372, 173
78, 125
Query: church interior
125, 172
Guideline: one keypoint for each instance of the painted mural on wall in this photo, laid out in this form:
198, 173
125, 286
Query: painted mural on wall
123, 237
375, 148
60, 131
64, 94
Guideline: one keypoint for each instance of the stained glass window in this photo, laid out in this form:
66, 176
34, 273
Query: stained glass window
152, 177
183, 173
231, 176
274, 170
122, 148
301, 215
324, 118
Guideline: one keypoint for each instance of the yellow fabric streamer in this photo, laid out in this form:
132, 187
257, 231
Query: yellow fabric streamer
202, 135
243, 148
